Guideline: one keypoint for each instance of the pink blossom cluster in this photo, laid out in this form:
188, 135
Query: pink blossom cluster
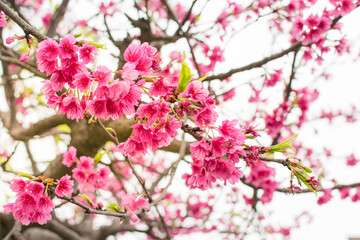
273, 79
157, 7
3, 21
95, 93
141, 60
216, 158
262, 175
155, 128
149, 135
108, 9
133, 203
214, 55
295, 6
275, 121
206, 115
351, 160
46, 20
233, 9
88, 177
156, 124
304, 98
343, 7
229, 95
32, 205
311, 29
325, 197
193, 208
181, 12
70, 72
344, 193
197, 208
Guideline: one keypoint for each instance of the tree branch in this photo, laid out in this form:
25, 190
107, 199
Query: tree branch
339, 186
90, 210
296, 46
25, 134
55, 20
28, 29
283, 162
25, 65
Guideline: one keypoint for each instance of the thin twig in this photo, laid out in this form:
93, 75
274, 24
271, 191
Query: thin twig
283, 162
339, 186
3, 165
34, 167
296, 46
90, 210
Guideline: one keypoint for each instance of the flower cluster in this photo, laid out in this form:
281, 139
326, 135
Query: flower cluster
216, 158
141, 60
3, 21
275, 121
32, 204
273, 79
88, 177
261, 176
132, 203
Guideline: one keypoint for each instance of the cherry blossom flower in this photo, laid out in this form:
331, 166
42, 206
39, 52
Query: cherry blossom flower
3, 21
46, 20
64, 186
87, 52
69, 157
325, 198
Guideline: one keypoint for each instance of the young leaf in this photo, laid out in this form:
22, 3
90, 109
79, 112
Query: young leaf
185, 76
113, 207
303, 177
87, 199
26, 175
64, 128
283, 145
98, 45
99, 155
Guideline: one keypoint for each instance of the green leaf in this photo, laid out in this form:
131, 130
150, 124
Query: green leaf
78, 35
99, 156
113, 207
250, 136
303, 177
308, 170
26, 175
57, 139
284, 145
98, 45
269, 155
64, 128
197, 18
236, 214
185, 76
87, 199
40, 100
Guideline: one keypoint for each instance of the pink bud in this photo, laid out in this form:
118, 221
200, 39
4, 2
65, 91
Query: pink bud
10, 40
24, 56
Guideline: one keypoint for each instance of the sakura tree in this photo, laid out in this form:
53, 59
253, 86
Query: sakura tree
155, 124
